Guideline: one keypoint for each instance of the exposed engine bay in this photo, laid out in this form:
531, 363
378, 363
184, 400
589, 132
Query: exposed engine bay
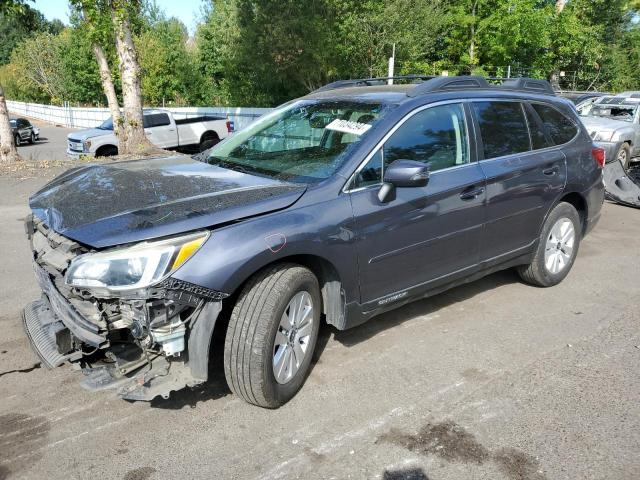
143, 344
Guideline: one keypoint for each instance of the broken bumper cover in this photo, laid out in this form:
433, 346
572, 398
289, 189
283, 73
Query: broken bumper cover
51, 322
619, 186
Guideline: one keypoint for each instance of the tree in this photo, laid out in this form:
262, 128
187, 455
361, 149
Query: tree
132, 137
8, 150
96, 22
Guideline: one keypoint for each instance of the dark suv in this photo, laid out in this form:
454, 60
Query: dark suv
335, 207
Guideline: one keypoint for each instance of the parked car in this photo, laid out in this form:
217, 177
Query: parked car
161, 128
614, 124
24, 131
338, 206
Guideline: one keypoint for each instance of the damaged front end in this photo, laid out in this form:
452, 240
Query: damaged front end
145, 337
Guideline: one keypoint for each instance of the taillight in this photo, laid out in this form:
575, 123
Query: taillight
230, 126
599, 155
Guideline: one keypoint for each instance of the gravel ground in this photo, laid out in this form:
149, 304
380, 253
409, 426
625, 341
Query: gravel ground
492, 380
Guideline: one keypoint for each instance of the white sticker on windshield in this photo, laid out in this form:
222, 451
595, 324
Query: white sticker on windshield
346, 126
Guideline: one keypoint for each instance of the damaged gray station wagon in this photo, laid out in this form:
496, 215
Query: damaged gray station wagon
335, 207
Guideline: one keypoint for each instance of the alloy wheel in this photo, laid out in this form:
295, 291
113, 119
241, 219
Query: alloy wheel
559, 246
292, 337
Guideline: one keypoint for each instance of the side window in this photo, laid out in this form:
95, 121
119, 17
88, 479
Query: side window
560, 128
538, 138
503, 128
371, 174
436, 136
147, 121
161, 120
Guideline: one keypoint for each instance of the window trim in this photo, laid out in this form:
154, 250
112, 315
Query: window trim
346, 187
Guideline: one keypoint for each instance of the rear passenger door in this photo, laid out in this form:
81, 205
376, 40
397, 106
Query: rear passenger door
160, 130
524, 172
425, 236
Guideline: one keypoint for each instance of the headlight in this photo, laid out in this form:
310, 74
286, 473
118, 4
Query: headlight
86, 145
602, 136
133, 267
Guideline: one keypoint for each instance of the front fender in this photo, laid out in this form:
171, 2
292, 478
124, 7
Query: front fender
235, 252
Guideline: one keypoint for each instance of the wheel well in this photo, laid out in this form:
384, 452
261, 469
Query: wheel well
100, 151
333, 299
209, 134
580, 205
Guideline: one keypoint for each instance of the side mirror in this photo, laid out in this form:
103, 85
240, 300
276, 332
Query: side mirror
402, 173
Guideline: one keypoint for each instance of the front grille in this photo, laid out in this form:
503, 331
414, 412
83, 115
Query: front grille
54, 252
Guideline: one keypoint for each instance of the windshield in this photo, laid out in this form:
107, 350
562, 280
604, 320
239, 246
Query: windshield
107, 124
303, 142
615, 112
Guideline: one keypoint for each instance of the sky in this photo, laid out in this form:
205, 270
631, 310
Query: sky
185, 10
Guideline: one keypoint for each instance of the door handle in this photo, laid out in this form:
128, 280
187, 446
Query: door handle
550, 171
471, 193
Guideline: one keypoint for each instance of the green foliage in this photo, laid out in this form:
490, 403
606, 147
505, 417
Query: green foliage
169, 66
18, 23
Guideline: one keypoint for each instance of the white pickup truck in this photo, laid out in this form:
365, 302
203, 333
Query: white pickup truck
189, 134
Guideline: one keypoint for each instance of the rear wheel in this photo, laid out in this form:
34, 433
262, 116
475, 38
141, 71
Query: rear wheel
208, 141
557, 248
272, 334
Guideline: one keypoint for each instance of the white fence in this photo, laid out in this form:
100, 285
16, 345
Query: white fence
78, 117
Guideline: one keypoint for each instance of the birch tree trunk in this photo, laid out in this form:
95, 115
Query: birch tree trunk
8, 150
133, 138
109, 90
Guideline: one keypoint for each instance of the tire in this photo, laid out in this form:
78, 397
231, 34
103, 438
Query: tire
255, 325
18, 140
207, 142
624, 155
32, 138
552, 260
108, 151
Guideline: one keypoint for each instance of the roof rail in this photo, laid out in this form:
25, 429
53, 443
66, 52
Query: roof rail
367, 82
440, 84
431, 84
526, 84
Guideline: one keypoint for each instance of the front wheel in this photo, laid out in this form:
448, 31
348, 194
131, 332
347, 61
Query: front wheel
18, 140
32, 138
624, 155
272, 334
557, 248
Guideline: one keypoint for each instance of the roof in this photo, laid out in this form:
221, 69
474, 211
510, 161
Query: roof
376, 89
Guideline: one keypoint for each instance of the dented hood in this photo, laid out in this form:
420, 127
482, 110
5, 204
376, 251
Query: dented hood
110, 204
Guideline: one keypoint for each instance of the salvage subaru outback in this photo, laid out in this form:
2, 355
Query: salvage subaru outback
348, 202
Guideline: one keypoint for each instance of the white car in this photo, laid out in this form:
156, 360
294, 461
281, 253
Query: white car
189, 134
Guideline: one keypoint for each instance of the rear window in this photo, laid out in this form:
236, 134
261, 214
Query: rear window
503, 128
561, 129
156, 120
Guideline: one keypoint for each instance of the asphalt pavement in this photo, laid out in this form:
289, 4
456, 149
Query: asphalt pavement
493, 380
52, 144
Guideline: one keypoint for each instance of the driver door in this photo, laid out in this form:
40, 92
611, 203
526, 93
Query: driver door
425, 236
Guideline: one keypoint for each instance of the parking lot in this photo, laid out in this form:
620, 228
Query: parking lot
51, 146
493, 380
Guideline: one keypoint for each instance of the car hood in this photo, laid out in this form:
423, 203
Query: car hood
601, 124
81, 135
102, 205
